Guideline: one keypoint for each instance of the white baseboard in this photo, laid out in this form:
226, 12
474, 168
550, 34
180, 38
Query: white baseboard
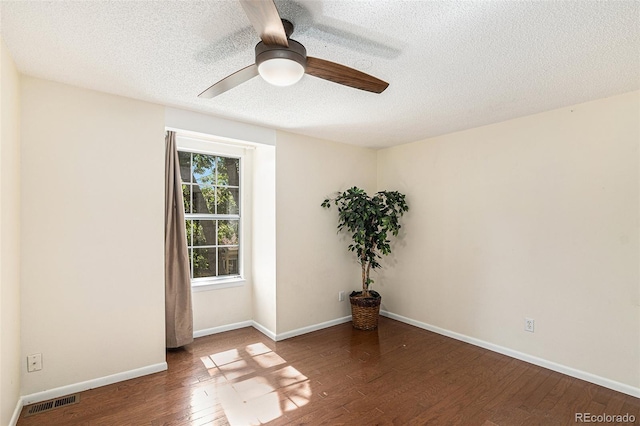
569, 371
16, 412
91, 384
222, 329
309, 329
264, 330
270, 334
235, 326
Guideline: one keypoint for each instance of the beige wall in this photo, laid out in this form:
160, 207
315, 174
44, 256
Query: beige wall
534, 217
221, 307
263, 236
10, 365
313, 263
92, 234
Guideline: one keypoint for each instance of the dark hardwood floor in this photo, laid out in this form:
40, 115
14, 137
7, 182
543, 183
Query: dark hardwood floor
398, 374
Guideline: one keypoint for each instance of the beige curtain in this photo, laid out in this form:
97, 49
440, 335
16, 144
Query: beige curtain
177, 280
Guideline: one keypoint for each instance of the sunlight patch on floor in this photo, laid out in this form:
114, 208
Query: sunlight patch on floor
254, 385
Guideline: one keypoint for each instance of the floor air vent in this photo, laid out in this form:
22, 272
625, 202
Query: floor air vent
41, 407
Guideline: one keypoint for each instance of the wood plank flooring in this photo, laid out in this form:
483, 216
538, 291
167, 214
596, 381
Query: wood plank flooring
396, 375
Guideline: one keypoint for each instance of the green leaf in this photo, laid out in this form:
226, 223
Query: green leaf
369, 219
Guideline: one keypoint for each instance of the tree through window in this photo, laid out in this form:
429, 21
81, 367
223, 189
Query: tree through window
211, 192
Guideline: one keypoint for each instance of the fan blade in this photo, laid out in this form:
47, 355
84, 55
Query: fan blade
266, 20
344, 75
231, 81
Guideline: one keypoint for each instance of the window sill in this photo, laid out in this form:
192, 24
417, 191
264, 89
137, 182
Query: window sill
207, 285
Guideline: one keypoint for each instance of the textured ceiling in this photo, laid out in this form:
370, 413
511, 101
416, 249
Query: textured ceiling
451, 65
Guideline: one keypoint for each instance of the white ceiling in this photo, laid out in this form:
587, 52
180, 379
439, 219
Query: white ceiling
451, 65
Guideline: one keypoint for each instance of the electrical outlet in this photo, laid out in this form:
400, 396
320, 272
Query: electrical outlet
529, 324
34, 362
341, 296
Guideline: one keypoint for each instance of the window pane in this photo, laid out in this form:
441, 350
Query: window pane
184, 158
228, 200
204, 169
228, 171
204, 199
204, 262
228, 261
211, 187
204, 232
189, 226
228, 232
186, 198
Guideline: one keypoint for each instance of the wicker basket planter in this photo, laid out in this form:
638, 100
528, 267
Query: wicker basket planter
365, 310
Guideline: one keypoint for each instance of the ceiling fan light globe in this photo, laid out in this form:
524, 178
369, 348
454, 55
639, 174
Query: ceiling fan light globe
281, 71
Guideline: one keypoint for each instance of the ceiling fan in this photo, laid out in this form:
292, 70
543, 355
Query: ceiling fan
282, 61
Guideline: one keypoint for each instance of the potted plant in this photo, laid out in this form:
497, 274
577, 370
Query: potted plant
370, 220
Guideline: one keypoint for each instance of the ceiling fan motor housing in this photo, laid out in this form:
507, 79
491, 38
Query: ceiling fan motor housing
295, 52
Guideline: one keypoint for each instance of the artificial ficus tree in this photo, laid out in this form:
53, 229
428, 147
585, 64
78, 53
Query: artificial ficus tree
370, 220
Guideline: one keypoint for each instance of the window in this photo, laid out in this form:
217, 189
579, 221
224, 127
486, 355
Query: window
211, 191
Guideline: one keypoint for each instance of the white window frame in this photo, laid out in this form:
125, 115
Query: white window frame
213, 146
